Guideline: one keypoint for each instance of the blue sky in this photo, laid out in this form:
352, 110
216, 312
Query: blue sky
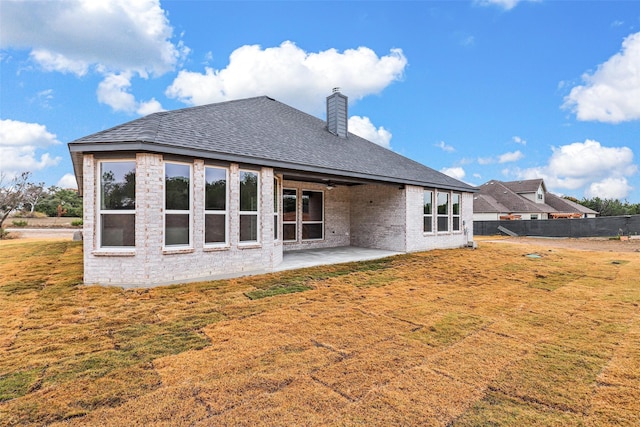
480, 90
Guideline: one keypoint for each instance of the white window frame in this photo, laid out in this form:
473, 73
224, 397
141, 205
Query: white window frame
277, 197
189, 245
303, 222
447, 215
295, 221
224, 212
101, 211
458, 215
255, 213
430, 215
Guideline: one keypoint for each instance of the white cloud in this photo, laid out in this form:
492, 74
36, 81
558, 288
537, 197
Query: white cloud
51, 61
485, 160
116, 38
71, 36
586, 165
444, 147
19, 142
519, 140
290, 74
68, 180
510, 157
114, 91
455, 172
149, 107
609, 188
505, 4
363, 127
612, 93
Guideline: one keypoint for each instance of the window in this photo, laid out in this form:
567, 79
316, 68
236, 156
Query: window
289, 209
177, 203
312, 215
248, 206
428, 211
276, 202
215, 206
455, 206
534, 216
443, 212
117, 216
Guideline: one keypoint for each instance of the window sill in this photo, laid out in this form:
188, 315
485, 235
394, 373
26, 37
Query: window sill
249, 246
167, 251
114, 252
216, 248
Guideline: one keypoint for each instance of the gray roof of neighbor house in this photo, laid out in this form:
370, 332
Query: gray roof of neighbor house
505, 197
526, 186
563, 205
261, 131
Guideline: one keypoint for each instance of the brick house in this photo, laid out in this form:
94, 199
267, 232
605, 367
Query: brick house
224, 189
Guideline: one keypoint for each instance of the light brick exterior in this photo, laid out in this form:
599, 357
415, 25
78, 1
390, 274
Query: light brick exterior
373, 216
418, 240
378, 217
149, 263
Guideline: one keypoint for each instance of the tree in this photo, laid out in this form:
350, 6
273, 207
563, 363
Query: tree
611, 207
12, 194
33, 194
67, 200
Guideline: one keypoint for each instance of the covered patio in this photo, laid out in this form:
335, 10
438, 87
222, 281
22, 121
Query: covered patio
313, 257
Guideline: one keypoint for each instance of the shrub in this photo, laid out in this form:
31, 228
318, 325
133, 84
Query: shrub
20, 223
76, 223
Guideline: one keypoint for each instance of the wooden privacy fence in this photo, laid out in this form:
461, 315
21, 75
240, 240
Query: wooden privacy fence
607, 226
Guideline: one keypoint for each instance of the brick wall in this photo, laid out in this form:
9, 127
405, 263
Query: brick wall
378, 217
149, 263
417, 240
371, 216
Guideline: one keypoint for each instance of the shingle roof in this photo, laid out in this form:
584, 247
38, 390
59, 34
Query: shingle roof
525, 186
509, 199
263, 132
503, 197
563, 205
486, 203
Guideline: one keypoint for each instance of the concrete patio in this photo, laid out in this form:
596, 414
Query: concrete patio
299, 259
312, 257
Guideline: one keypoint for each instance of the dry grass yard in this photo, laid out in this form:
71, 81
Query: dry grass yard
444, 338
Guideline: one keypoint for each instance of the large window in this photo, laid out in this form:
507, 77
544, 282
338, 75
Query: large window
312, 215
249, 206
117, 203
443, 212
177, 203
289, 210
215, 206
455, 211
428, 211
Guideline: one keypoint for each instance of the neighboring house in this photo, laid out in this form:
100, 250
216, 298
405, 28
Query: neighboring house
225, 189
526, 199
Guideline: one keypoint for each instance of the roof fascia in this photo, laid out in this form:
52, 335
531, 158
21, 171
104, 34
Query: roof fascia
96, 147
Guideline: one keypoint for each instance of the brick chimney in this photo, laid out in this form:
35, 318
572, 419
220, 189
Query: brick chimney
337, 113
